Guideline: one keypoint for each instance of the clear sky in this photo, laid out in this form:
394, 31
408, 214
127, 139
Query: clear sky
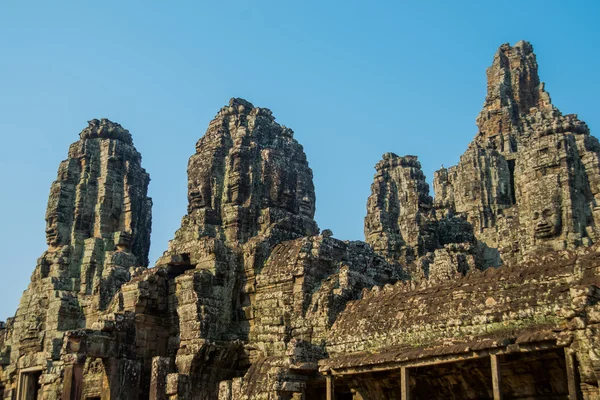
352, 79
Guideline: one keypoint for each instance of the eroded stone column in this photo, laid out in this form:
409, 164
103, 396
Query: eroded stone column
158, 379
72, 382
571, 371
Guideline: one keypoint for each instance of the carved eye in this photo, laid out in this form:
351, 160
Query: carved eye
536, 215
546, 213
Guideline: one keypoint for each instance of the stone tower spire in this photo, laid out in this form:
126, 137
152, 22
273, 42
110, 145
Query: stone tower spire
98, 224
529, 179
249, 177
101, 192
399, 219
513, 90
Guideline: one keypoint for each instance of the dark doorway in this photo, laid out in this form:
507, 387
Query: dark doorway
30, 385
539, 374
462, 380
524, 375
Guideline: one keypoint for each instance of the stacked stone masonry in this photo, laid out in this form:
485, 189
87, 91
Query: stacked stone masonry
488, 289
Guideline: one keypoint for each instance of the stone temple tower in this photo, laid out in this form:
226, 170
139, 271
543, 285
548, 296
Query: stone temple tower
98, 224
528, 183
490, 289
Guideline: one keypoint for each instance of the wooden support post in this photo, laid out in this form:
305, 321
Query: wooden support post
496, 378
404, 384
330, 386
571, 375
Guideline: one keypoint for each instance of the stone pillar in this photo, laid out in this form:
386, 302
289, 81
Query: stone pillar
178, 386
330, 389
111, 367
77, 381
67, 382
72, 382
404, 384
225, 390
572, 378
496, 378
158, 378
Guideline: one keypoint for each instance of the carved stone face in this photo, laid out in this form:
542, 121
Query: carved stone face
547, 222
236, 162
238, 181
234, 190
306, 206
199, 183
57, 230
123, 240
543, 188
196, 196
52, 237
280, 193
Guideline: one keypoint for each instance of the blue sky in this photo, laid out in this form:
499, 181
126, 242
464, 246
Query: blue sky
352, 79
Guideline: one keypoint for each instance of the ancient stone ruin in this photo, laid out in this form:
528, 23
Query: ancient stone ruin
489, 290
